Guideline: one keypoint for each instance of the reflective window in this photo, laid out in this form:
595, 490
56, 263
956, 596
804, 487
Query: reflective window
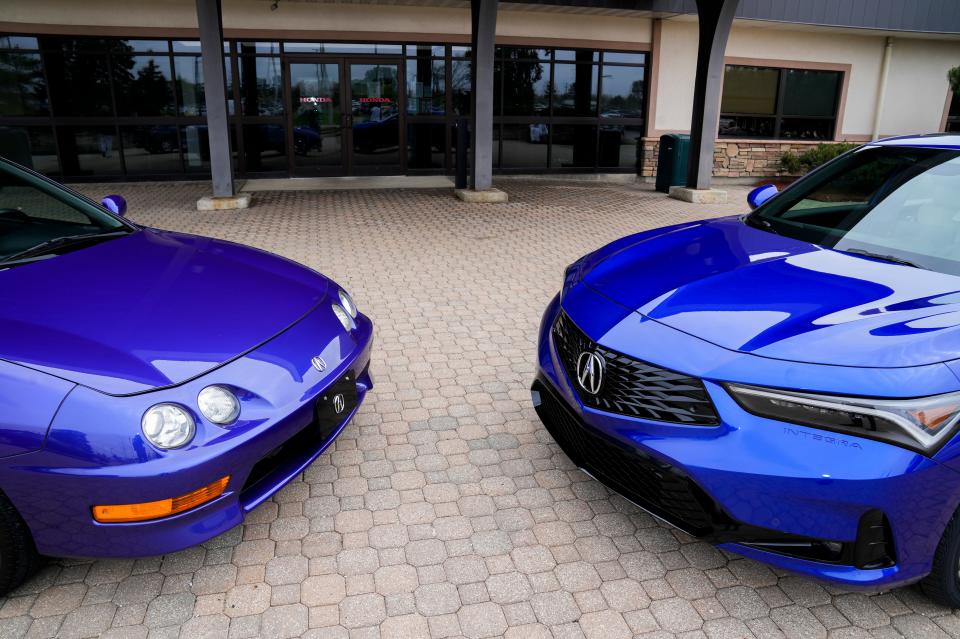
575, 87
23, 90
526, 88
144, 86
953, 114
622, 92
18, 42
523, 53
619, 145
577, 55
425, 144
79, 83
574, 146
429, 50
460, 86
624, 58
763, 102
148, 46
426, 86
259, 47
261, 85
92, 150
265, 147
525, 146
31, 146
190, 93
151, 149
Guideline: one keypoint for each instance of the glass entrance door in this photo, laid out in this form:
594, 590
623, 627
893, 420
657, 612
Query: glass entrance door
375, 118
345, 117
316, 140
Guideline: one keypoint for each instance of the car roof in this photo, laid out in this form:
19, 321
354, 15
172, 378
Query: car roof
937, 140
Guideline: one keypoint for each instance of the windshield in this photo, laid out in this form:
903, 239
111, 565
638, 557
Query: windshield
900, 204
35, 212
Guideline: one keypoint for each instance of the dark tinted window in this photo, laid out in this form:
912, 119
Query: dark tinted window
23, 91
144, 86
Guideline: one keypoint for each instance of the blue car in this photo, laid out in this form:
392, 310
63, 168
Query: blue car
784, 384
154, 386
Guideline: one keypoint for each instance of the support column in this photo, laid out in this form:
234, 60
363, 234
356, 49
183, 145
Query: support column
210, 22
482, 37
715, 18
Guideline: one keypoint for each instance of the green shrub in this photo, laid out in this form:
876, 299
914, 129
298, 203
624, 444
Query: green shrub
793, 164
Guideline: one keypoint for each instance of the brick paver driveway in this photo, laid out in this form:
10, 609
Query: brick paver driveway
446, 509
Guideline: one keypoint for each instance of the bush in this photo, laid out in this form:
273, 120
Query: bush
793, 164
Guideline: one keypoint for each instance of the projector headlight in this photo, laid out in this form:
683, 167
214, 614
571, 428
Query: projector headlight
343, 316
168, 426
347, 302
218, 404
921, 424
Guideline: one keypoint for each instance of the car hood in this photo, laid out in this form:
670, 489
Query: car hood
149, 309
755, 292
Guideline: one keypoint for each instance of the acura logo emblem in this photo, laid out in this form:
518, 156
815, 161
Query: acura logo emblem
590, 371
318, 363
338, 403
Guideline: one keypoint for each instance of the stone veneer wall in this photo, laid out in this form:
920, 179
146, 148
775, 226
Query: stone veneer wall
734, 158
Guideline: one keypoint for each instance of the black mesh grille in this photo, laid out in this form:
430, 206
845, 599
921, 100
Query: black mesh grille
632, 387
653, 484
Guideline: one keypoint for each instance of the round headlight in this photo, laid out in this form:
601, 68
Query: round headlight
218, 404
343, 316
348, 304
168, 426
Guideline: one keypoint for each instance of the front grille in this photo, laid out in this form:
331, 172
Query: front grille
633, 387
652, 484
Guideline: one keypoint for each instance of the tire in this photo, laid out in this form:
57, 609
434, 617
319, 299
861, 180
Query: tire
18, 555
942, 585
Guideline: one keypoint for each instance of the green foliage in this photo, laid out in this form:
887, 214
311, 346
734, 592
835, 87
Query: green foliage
953, 77
793, 164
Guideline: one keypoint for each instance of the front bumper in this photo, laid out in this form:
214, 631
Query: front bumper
284, 427
747, 482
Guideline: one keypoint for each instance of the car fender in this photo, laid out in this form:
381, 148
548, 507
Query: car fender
29, 400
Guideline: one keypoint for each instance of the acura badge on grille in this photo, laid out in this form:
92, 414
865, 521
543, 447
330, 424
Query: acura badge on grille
590, 367
319, 363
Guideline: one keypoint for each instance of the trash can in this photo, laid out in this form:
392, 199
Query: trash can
672, 161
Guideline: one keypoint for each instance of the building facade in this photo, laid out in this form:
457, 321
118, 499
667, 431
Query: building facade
112, 89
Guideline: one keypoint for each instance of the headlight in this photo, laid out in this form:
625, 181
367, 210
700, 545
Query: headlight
168, 426
920, 424
218, 404
347, 302
343, 316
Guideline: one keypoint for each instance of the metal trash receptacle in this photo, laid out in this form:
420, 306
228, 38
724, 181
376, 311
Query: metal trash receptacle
672, 160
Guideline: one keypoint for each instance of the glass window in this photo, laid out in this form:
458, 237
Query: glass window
793, 104
575, 88
622, 92
749, 90
349, 48
261, 85
425, 144
577, 55
31, 146
426, 86
149, 46
259, 47
526, 88
89, 150
460, 86
145, 87
626, 58
190, 93
79, 83
574, 146
811, 93
460, 52
196, 147
18, 42
953, 114
435, 50
151, 149
264, 147
23, 90
619, 146
887, 201
525, 145
523, 53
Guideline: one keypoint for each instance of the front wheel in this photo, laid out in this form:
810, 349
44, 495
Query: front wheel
18, 555
942, 585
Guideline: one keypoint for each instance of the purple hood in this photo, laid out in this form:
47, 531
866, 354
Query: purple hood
150, 309
752, 291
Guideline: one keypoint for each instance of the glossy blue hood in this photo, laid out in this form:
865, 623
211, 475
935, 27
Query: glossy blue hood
149, 309
755, 292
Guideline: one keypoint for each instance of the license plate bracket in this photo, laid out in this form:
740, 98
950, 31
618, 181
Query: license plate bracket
336, 402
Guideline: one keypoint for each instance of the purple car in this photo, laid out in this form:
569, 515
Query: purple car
154, 386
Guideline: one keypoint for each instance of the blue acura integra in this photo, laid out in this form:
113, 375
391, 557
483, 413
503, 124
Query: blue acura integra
785, 384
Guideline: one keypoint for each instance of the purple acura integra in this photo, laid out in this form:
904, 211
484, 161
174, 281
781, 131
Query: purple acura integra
154, 386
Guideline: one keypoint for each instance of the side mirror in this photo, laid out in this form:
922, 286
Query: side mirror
761, 194
115, 204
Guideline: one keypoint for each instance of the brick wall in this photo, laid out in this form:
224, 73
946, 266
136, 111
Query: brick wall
734, 158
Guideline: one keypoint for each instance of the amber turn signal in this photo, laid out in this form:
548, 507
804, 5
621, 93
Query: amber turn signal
119, 513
